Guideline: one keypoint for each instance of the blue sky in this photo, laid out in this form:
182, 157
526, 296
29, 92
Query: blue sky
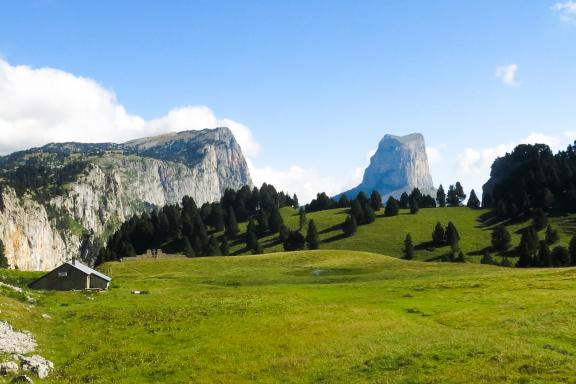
316, 83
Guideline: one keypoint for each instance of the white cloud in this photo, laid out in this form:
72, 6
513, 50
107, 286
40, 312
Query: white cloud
507, 74
566, 10
433, 154
49, 105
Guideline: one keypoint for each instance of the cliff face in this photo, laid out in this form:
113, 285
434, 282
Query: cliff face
112, 182
399, 165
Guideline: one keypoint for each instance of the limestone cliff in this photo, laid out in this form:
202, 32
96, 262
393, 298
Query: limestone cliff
62, 200
399, 165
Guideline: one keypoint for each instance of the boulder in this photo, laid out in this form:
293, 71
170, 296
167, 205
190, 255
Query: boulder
8, 367
36, 364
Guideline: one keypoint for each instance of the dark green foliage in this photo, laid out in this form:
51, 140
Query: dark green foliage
572, 251
404, 201
501, 238
455, 195
262, 220
231, 224
452, 234
369, 214
321, 203
302, 218
408, 248
357, 212
528, 248
257, 250
392, 207
312, 239
414, 205
540, 219
438, 235
283, 233
294, 242
3, 258
275, 221
552, 235
224, 247
473, 201
343, 202
506, 262
350, 226
486, 258
212, 247
544, 256
375, 201
461, 258
187, 247
441, 196
250, 237
560, 257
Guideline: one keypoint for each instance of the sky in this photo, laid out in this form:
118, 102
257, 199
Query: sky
308, 87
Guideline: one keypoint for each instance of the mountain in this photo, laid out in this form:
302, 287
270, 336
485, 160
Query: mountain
399, 165
62, 200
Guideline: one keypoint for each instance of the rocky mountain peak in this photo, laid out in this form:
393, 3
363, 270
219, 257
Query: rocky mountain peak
399, 165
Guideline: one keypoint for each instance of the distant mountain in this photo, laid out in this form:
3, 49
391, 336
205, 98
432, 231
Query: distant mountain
399, 165
63, 199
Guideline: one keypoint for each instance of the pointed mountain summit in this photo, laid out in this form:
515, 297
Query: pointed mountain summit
399, 165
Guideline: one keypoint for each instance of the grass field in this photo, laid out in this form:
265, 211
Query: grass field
386, 235
307, 317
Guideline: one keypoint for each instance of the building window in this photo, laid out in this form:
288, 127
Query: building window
63, 274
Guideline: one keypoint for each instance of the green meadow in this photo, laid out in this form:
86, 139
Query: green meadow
306, 317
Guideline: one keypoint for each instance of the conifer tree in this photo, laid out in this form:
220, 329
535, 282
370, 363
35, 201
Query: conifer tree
224, 247
197, 245
461, 258
540, 219
350, 226
357, 212
375, 201
404, 201
343, 202
441, 196
275, 221
392, 208
257, 250
414, 207
283, 233
187, 247
452, 234
262, 219
552, 235
438, 235
408, 248
294, 242
486, 258
302, 218
312, 239
560, 257
544, 255
212, 248
231, 223
473, 201
501, 238
368, 214
3, 258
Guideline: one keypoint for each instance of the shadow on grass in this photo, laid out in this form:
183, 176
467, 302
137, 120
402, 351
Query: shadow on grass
334, 238
335, 227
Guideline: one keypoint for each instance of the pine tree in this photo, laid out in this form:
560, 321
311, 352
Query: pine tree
552, 235
251, 238
404, 201
560, 257
302, 218
312, 239
197, 245
187, 247
343, 202
3, 259
350, 226
368, 213
486, 258
392, 208
294, 242
540, 219
461, 258
231, 224
257, 250
452, 234
408, 248
414, 207
441, 196
283, 233
275, 221
460, 193
473, 201
501, 238
438, 235
212, 248
224, 247
544, 255
357, 212
262, 219
375, 201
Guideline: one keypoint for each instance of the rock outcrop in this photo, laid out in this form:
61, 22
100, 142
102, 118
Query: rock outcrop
399, 165
102, 185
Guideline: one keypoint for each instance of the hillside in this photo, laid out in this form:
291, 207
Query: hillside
386, 234
307, 317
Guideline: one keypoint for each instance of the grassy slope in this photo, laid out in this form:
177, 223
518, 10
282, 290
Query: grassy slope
386, 235
309, 317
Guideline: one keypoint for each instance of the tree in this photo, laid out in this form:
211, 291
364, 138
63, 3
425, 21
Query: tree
460, 193
375, 201
501, 238
392, 208
560, 256
486, 258
251, 238
552, 235
262, 219
506, 262
224, 247
357, 211
540, 219
414, 207
343, 202
187, 247
572, 251
438, 235
404, 201
294, 242
231, 223
408, 248
528, 247
350, 226
257, 250
283, 233
452, 197
312, 239
441, 196
473, 201
461, 258
451, 232
3, 259
212, 247
544, 255
302, 218
368, 214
